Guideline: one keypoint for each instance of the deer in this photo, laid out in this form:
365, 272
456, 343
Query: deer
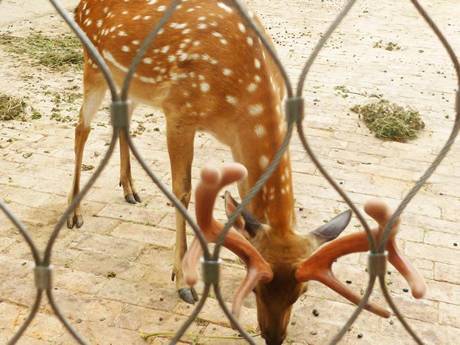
208, 71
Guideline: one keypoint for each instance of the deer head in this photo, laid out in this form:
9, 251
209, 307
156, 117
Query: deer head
278, 266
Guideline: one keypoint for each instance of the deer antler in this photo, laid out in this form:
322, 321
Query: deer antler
319, 265
212, 181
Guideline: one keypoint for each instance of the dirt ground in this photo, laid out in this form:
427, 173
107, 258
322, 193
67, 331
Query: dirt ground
112, 277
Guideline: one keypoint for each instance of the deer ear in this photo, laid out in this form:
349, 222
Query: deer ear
246, 222
333, 229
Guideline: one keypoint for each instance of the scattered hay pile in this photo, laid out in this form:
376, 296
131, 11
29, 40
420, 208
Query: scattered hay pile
57, 53
390, 121
12, 108
16, 109
390, 46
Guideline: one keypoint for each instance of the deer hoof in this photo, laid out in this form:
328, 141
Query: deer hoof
130, 199
188, 295
75, 220
137, 197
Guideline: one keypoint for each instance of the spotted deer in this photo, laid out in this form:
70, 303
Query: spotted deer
209, 72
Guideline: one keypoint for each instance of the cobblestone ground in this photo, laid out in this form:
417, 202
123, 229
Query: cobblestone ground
112, 277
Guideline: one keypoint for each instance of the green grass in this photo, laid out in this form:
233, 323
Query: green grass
390, 121
57, 53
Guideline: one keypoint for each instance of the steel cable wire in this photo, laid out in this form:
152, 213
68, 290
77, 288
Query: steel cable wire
291, 118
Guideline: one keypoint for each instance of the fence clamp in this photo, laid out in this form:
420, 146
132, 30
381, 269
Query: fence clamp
43, 275
294, 109
211, 271
120, 110
377, 263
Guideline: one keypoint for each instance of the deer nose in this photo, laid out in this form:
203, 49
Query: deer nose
275, 339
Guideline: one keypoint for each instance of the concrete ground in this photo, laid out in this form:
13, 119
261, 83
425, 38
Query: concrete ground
112, 277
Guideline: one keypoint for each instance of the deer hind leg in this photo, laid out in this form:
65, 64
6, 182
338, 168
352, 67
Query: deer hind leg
180, 148
126, 180
94, 91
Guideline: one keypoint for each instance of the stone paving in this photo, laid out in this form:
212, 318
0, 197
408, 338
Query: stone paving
112, 277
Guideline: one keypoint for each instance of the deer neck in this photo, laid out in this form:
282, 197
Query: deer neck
274, 204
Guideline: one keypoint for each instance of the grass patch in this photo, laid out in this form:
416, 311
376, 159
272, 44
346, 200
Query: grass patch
16, 109
57, 53
390, 121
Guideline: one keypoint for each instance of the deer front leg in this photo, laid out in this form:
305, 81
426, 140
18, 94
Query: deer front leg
180, 148
94, 94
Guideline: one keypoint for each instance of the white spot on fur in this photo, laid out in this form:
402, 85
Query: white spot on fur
252, 87
147, 80
227, 72
204, 87
256, 109
178, 25
231, 99
263, 162
260, 131
225, 7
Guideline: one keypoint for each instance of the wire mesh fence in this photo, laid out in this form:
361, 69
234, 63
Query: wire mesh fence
294, 112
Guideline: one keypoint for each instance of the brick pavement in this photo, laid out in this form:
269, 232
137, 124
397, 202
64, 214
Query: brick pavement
112, 277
